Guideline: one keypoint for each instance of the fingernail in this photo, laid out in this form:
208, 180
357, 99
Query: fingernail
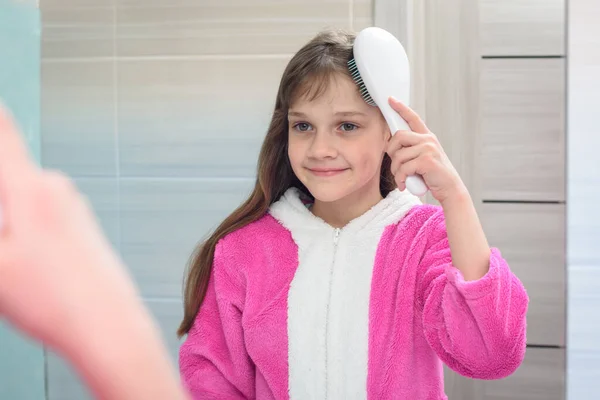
395, 100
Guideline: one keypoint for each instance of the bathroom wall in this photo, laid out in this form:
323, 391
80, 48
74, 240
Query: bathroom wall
157, 109
583, 197
21, 361
523, 99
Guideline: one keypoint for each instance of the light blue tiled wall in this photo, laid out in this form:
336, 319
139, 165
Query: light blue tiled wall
583, 230
157, 109
21, 361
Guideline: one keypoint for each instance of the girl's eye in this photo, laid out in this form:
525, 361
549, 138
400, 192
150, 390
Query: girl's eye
302, 126
347, 126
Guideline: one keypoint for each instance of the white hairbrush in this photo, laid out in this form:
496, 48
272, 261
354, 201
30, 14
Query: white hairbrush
380, 68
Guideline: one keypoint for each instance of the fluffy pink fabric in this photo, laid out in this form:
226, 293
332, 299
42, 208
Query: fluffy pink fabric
422, 313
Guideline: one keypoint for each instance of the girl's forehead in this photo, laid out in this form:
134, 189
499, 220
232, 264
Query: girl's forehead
339, 91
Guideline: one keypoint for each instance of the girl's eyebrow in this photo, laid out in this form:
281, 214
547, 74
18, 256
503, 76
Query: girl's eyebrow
299, 114
296, 114
350, 113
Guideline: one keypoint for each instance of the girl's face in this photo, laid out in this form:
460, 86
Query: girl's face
337, 142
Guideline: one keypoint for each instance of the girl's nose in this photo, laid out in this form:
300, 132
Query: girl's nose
323, 146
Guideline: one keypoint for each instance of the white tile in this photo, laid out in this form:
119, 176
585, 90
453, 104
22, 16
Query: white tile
362, 14
195, 118
163, 221
168, 314
583, 217
22, 371
63, 381
77, 28
583, 305
583, 370
77, 118
189, 27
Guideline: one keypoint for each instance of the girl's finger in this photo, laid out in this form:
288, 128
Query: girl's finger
409, 115
407, 169
403, 139
404, 155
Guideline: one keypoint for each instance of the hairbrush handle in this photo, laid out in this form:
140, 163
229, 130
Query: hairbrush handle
414, 183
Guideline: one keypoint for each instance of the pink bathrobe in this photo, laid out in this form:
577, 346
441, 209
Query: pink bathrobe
296, 309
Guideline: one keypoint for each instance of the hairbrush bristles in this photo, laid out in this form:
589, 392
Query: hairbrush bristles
361, 85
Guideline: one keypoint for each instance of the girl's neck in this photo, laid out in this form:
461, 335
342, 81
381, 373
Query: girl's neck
339, 213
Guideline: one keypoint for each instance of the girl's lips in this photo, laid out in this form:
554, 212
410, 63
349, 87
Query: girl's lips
326, 171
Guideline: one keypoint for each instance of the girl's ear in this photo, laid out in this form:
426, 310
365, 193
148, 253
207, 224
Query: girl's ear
386, 129
387, 133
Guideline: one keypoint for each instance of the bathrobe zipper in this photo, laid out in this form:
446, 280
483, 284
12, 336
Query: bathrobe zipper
336, 236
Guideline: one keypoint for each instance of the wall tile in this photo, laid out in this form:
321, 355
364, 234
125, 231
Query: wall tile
184, 118
78, 135
583, 305
168, 314
77, 28
362, 14
22, 368
189, 27
518, 27
583, 369
583, 366
523, 149
63, 382
540, 377
163, 220
535, 252
583, 217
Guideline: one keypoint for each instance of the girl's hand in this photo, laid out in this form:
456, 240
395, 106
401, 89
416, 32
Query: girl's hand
55, 264
61, 283
418, 152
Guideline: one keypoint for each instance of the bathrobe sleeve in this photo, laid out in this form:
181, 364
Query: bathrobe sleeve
477, 328
213, 360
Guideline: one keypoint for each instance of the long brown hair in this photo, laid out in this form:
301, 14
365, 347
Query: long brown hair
307, 74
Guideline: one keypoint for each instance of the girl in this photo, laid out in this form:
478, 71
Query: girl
332, 281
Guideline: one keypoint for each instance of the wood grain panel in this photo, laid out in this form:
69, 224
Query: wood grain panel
540, 377
522, 27
532, 239
523, 143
